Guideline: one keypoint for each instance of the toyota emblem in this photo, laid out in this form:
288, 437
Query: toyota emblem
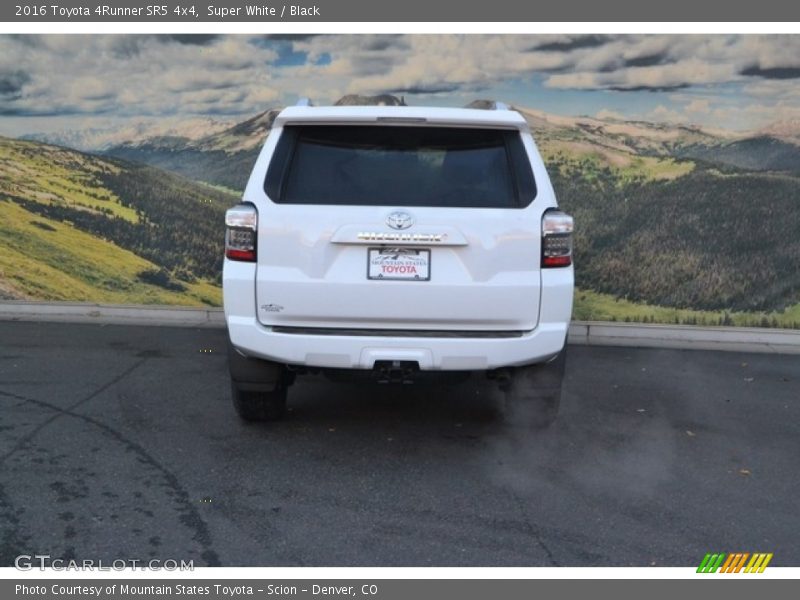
399, 220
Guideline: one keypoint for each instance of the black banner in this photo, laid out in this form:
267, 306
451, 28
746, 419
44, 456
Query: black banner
189, 11
731, 588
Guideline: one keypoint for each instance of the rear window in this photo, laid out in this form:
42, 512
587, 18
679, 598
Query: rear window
400, 166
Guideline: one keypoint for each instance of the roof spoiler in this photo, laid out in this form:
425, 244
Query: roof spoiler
304, 102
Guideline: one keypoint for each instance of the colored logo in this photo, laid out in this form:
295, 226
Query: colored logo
735, 563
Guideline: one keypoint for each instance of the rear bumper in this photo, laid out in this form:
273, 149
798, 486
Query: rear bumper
256, 340
361, 351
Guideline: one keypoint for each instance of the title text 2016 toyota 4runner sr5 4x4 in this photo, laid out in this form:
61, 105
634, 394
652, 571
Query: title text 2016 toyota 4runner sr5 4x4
398, 241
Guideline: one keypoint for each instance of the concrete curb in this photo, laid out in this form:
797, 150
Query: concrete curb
735, 339
112, 314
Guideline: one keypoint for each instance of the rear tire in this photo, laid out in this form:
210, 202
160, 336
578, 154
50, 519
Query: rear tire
533, 392
259, 406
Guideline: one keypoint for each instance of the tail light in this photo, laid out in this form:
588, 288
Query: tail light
556, 239
241, 224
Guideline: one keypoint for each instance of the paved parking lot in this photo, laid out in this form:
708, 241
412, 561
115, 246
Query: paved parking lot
120, 442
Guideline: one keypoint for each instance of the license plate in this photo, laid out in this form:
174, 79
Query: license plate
406, 264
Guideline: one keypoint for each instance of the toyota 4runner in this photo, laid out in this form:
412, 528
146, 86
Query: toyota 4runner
395, 242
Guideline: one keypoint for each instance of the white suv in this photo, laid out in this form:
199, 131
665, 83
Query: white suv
398, 241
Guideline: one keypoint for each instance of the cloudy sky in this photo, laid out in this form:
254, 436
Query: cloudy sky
55, 82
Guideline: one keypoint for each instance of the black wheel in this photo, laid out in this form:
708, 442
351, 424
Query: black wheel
533, 392
258, 405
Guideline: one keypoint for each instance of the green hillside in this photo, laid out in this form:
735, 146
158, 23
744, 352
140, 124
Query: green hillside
224, 158
705, 241
595, 306
762, 153
78, 227
216, 167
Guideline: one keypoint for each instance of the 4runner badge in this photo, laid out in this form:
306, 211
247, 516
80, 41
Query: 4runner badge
399, 220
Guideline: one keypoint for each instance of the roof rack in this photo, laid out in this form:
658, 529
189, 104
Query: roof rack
493, 105
488, 105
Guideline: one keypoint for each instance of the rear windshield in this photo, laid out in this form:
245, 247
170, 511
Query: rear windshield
400, 166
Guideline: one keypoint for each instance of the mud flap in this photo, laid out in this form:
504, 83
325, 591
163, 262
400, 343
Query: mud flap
254, 374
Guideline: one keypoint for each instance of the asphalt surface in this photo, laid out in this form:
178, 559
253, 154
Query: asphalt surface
121, 443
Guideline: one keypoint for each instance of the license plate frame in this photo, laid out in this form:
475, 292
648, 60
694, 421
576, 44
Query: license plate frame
417, 258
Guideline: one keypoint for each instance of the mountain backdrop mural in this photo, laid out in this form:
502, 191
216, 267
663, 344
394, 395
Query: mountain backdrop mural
681, 217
